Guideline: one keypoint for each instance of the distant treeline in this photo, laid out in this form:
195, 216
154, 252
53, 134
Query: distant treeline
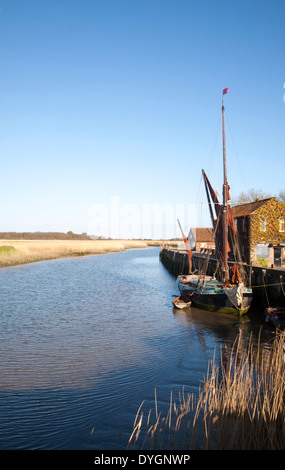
43, 236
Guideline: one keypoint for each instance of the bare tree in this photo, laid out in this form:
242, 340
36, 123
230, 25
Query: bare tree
250, 196
281, 196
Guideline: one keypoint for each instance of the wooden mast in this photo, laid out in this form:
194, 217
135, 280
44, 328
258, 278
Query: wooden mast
225, 268
189, 251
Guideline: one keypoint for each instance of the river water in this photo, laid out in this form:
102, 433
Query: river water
83, 341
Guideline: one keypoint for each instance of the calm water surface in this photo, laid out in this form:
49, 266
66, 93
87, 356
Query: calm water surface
85, 340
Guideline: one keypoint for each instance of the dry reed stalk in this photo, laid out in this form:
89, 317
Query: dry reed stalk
240, 407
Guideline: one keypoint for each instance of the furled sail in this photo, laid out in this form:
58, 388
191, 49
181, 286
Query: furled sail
217, 221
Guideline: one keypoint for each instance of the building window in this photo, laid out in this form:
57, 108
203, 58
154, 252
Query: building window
263, 225
281, 225
262, 251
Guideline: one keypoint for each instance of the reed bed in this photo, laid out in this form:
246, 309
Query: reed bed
14, 252
240, 406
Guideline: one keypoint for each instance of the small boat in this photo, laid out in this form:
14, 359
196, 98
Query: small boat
276, 315
181, 302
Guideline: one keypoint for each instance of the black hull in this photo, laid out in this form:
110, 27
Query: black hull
217, 302
276, 315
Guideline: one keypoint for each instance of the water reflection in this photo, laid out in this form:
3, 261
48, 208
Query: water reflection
84, 341
225, 327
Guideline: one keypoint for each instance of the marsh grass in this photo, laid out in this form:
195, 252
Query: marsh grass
240, 406
7, 250
28, 251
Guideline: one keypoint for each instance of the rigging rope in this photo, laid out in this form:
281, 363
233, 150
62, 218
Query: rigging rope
271, 285
265, 289
235, 151
281, 284
206, 260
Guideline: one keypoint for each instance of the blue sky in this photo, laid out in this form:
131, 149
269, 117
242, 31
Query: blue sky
116, 105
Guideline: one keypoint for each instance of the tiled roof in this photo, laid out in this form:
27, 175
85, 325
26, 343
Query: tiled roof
203, 234
249, 208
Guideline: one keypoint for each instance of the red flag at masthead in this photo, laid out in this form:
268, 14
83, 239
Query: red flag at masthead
225, 90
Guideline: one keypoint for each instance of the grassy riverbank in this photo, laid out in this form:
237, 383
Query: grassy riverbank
14, 252
241, 406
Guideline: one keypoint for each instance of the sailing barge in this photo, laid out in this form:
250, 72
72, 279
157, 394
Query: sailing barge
229, 293
209, 293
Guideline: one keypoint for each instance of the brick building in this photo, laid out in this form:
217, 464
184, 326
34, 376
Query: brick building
261, 231
200, 238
